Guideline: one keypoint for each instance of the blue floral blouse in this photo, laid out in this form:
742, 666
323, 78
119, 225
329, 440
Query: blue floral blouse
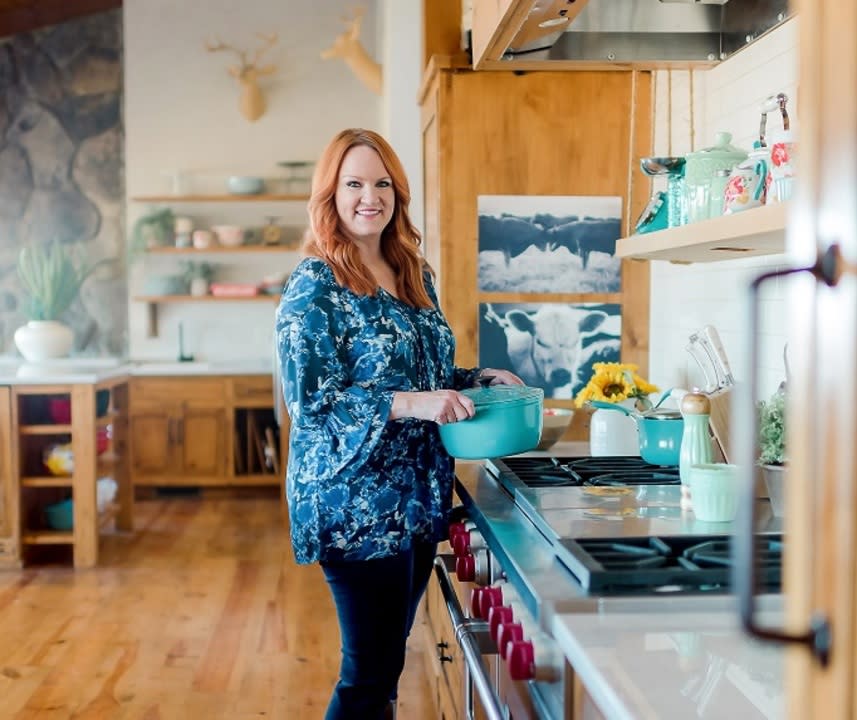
360, 486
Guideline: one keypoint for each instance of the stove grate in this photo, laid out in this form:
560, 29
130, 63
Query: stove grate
652, 564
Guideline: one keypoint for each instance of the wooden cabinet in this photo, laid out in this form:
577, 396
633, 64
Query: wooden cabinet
88, 421
178, 430
205, 431
533, 133
444, 659
8, 486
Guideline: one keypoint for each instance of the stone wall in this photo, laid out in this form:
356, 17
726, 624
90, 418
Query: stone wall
62, 169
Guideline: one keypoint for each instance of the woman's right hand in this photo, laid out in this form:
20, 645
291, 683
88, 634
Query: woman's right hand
440, 406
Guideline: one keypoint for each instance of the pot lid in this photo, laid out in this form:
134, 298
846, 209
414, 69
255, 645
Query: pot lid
503, 395
721, 150
662, 414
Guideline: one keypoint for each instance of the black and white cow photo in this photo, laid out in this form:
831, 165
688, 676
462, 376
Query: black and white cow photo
549, 345
543, 243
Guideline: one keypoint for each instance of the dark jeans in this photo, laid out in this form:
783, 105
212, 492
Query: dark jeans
376, 602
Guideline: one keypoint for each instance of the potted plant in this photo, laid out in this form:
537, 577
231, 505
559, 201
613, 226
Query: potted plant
772, 447
153, 230
52, 279
198, 276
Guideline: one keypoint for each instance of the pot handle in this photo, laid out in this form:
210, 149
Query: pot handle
485, 380
609, 406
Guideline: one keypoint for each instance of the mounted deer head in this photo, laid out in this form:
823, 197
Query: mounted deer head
348, 47
252, 102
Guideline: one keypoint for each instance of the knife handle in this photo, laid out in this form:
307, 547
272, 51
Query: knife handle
713, 338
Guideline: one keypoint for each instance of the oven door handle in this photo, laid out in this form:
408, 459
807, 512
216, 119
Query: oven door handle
466, 633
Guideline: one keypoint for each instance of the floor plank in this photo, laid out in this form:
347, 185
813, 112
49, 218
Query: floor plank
200, 613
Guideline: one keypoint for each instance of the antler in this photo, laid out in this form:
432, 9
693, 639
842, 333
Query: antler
220, 46
269, 40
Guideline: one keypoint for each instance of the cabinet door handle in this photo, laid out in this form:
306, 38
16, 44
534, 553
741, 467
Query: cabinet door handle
180, 430
818, 636
170, 434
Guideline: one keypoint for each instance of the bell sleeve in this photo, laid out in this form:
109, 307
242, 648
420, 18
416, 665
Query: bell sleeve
335, 422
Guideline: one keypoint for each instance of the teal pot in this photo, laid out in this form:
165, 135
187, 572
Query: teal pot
508, 421
660, 433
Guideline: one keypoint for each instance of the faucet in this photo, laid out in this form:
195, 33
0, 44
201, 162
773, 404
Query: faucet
182, 356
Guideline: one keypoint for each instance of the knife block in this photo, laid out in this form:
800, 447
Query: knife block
718, 423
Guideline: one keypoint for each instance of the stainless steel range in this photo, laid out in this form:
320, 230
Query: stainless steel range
542, 535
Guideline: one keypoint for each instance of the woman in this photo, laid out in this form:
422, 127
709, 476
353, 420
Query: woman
367, 364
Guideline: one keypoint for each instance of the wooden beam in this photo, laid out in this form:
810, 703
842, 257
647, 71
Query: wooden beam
23, 16
441, 28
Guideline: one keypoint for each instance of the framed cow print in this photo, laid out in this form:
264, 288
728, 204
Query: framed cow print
550, 345
549, 244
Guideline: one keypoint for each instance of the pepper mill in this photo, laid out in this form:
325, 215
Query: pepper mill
695, 443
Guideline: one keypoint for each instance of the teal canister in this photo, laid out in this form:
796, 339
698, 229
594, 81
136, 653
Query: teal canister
695, 441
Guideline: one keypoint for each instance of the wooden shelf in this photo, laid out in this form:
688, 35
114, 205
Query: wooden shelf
45, 429
47, 537
47, 481
206, 298
760, 231
267, 197
220, 249
154, 300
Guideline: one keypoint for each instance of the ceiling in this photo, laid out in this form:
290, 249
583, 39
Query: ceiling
20, 16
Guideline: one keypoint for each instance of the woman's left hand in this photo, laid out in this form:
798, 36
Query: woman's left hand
500, 377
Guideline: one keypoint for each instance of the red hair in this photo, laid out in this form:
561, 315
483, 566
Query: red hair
400, 240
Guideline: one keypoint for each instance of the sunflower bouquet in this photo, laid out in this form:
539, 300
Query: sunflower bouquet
615, 382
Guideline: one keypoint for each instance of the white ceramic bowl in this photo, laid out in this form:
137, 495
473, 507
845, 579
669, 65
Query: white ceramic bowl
229, 235
554, 424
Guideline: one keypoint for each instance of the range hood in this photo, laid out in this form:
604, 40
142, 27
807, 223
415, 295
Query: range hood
627, 32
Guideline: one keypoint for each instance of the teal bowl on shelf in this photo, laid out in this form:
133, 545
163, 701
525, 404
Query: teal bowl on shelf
60, 516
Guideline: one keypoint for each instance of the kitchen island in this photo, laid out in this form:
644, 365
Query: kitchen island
584, 650
65, 427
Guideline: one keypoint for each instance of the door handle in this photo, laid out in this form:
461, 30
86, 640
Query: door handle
817, 637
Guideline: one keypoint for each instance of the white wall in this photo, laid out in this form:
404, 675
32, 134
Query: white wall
181, 112
686, 297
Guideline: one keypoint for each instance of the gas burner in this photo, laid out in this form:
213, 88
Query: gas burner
673, 564
655, 476
538, 472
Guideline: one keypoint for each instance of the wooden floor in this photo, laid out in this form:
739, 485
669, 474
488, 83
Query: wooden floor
198, 614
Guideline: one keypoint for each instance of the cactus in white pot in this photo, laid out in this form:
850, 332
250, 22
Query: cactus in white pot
52, 279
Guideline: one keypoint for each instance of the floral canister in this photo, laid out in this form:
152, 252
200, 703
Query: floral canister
700, 169
747, 184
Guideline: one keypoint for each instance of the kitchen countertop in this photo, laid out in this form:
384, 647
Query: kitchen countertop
13, 371
671, 663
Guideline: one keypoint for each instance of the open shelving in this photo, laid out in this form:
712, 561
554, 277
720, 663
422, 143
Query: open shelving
759, 231
260, 198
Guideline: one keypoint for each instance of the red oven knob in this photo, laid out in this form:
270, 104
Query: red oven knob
476, 602
497, 615
454, 529
508, 633
461, 543
491, 596
465, 568
520, 657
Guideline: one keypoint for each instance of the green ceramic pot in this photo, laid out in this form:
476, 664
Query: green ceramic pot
508, 421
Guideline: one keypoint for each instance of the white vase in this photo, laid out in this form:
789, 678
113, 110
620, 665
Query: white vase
611, 432
41, 340
775, 482
198, 286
